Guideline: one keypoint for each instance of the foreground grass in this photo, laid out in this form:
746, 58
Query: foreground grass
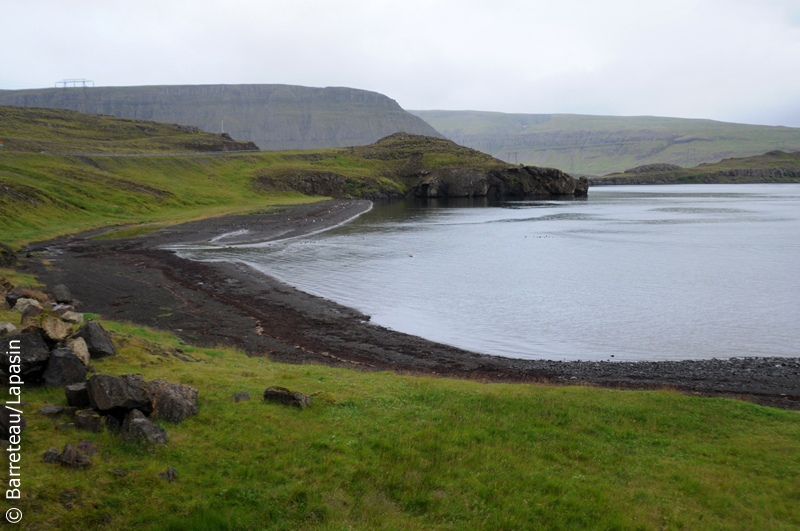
384, 451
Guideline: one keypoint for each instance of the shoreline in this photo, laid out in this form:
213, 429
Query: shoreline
231, 303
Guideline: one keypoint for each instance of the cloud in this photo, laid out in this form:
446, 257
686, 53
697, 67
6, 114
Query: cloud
727, 60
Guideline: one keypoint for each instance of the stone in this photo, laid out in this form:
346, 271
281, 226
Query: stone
241, 396
72, 317
21, 305
137, 426
64, 368
8, 258
77, 395
89, 420
170, 474
97, 340
112, 423
108, 392
71, 457
56, 329
51, 455
21, 292
9, 420
61, 294
51, 411
33, 353
78, 346
281, 395
6, 328
172, 402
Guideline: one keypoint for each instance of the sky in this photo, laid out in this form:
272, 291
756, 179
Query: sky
729, 60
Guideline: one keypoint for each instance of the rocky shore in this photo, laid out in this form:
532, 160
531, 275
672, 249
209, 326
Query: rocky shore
212, 303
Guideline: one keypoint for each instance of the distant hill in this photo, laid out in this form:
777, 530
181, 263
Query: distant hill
597, 145
773, 167
59, 130
274, 117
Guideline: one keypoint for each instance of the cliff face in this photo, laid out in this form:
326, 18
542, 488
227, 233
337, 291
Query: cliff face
514, 182
275, 117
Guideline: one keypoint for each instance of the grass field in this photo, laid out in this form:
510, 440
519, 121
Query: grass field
385, 451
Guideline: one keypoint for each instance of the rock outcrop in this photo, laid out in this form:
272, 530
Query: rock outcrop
287, 397
522, 181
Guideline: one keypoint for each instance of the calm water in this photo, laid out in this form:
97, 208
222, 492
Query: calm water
633, 272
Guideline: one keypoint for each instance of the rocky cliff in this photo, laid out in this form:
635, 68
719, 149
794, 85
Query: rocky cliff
275, 117
515, 181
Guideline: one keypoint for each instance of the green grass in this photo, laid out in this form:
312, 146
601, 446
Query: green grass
384, 451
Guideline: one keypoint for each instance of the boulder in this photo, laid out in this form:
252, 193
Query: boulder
78, 346
137, 426
108, 392
89, 420
33, 354
77, 395
22, 305
73, 458
6, 328
281, 395
52, 411
51, 455
241, 396
72, 317
21, 292
172, 402
56, 329
8, 258
61, 294
64, 368
170, 474
9, 419
97, 339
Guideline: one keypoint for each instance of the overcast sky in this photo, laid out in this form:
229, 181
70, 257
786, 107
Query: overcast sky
731, 60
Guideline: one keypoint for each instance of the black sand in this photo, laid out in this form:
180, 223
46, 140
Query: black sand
212, 303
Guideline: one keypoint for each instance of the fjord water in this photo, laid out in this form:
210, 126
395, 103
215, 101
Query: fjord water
630, 273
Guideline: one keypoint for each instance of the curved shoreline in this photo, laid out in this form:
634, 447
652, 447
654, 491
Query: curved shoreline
212, 303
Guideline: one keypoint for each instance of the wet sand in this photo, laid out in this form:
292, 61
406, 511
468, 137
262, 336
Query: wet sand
224, 303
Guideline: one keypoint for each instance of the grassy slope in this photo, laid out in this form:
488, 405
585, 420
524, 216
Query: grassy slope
385, 451
35, 130
43, 196
745, 169
596, 145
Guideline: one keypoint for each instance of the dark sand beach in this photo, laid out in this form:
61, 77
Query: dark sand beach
213, 303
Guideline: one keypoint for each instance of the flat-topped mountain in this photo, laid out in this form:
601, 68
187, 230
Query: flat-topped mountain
597, 145
274, 117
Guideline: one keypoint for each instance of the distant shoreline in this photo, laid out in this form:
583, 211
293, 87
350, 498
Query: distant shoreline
212, 303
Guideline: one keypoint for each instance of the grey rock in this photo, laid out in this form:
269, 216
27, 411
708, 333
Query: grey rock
51, 455
89, 420
172, 402
281, 395
22, 305
64, 368
6, 328
170, 474
137, 426
72, 317
108, 392
241, 396
78, 346
77, 395
71, 457
33, 353
61, 294
98, 341
51, 411
56, 329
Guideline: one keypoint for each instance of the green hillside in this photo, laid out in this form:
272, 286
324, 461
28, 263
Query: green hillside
773, 167
45, 195
274, 117
597, 145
